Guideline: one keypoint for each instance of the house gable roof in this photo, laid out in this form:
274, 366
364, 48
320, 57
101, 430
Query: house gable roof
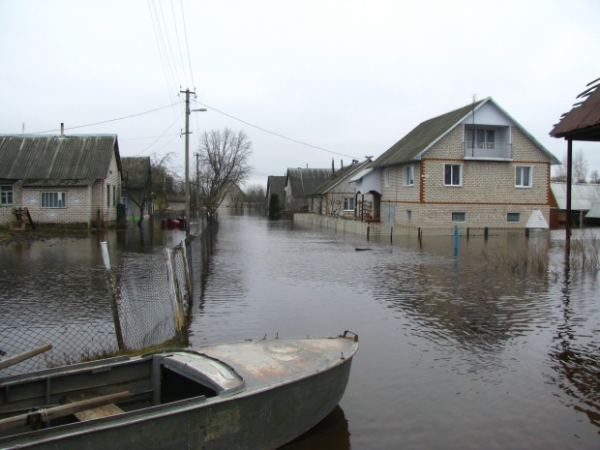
426, 134
84, 157
304, 181
339, 177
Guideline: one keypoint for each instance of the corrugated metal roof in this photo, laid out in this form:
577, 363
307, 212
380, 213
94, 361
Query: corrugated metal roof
429, 132
305, 181
583, 196
421, 137
338, 177
84, 157
33, 182
582, 123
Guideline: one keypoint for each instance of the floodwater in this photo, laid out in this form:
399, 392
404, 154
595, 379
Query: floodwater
463, 349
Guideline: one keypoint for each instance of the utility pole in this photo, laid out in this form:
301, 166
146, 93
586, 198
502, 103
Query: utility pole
197, 182
187, 160
187, 156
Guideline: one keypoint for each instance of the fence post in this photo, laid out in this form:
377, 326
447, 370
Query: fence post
186, 268
177, 313
112, 285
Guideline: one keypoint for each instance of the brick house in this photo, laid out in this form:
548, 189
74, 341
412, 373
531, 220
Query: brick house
62, 180
473, 167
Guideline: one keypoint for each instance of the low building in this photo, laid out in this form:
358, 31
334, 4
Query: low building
62, 180
336, 196
300, 183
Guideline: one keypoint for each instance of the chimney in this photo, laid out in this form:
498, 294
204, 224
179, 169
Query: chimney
342, 164
62, 129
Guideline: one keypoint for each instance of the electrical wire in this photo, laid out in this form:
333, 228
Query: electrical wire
178, 44
107, 121
162, 135
187, 46
272, 132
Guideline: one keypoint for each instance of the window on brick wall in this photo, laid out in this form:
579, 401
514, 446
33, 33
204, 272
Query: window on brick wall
452, 174
513, 217
6, 195
387, 177
114, 196
408, 176
459, 217
108, 195
54, 199
523, 176
408, 215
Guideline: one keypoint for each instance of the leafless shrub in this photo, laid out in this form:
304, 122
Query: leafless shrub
528, 256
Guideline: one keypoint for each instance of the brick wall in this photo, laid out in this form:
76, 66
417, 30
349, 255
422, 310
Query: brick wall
487, 192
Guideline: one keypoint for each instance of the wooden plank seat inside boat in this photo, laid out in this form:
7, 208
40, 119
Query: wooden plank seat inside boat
93, 413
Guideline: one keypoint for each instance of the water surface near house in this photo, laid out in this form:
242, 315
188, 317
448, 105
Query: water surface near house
457, 352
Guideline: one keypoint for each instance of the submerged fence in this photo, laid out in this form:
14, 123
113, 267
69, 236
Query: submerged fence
142, 301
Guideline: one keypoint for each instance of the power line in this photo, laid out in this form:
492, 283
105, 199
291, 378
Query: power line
178, 45
107, 121
163, 133
273, 133
187, 46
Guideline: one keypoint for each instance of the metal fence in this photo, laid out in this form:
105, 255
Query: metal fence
142, 301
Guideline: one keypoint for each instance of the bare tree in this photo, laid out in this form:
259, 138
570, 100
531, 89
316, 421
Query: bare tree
143, 179
255, 197
333, 204
222, 161
594, 177
580, 167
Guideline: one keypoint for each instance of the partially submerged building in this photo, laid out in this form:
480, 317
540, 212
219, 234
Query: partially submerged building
62, 180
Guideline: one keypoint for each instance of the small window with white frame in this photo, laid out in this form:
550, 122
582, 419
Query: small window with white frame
387, 177
452, 174
459, 217
349, 204
6, 195
54, 199
513, 217
408, 176
523, 176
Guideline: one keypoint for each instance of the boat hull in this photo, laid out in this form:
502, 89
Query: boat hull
252, 420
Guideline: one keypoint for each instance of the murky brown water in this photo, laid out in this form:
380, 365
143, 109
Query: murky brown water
457, 352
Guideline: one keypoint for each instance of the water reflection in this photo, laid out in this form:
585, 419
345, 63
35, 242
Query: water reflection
331, 434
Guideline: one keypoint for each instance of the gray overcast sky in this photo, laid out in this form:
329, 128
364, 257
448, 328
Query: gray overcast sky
351, 77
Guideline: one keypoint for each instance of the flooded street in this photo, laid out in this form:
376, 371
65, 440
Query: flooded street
457, 351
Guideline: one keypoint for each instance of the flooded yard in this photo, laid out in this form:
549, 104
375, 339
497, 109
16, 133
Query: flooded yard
479, 348
457, 352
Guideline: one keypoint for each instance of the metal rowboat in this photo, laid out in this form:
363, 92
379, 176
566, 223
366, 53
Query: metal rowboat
248, 395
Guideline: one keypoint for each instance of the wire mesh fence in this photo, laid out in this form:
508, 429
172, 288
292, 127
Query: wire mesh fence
136, 305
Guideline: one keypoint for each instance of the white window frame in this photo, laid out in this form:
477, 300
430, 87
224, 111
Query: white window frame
349, 201
517, 214
409, 175
59, 202
473, 134
386, 174
454, 219
7, 195
460, 175
519, 177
